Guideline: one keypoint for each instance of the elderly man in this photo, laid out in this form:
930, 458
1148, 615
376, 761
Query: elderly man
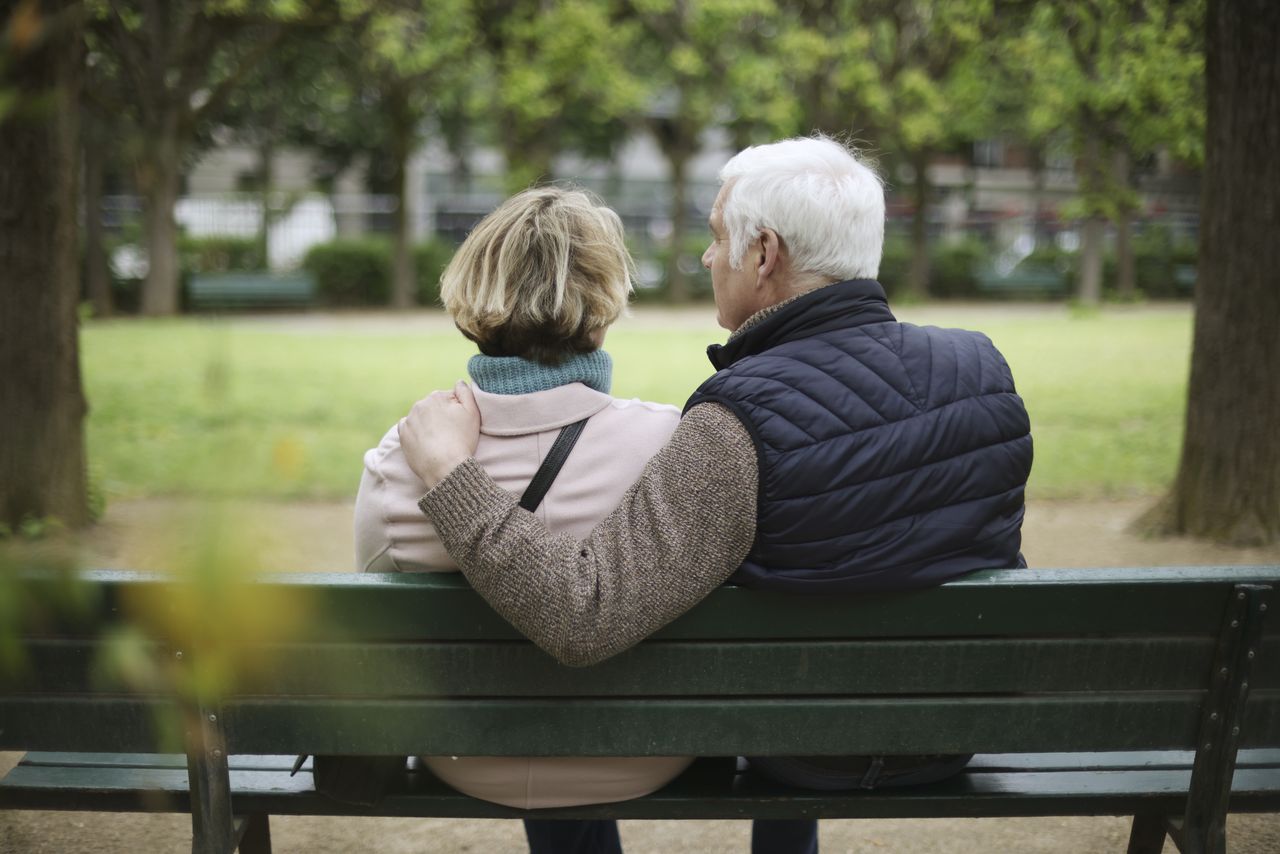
834, 449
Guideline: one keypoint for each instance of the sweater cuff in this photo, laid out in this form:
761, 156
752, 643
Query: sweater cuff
464, 496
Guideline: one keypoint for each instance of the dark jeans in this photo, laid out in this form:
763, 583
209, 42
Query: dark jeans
548, 836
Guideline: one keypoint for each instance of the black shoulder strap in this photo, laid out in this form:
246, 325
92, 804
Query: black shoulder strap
546, 473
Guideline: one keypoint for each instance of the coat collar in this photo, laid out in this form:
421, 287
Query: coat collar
521, 414
854, 302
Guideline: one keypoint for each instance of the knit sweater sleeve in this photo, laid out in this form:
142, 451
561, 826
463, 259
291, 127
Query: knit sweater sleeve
679, 532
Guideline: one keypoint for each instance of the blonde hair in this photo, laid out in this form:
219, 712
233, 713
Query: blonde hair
540, 276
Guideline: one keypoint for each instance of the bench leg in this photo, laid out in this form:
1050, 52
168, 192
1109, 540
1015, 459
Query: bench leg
1146, 836
256, 836
212, 823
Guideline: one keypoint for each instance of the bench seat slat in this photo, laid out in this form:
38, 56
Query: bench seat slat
708, 791
1112, 760
473, 669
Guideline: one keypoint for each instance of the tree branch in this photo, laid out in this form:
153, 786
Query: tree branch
223, 90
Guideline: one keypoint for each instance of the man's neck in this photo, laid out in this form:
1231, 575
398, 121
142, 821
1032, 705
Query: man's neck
794, 289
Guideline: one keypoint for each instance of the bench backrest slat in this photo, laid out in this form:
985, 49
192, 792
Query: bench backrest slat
683, 668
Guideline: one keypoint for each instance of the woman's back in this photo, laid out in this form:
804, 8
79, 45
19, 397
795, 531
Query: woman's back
517, 432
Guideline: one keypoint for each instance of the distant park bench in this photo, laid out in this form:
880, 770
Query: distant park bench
1085, 692
1023, 280
250, 290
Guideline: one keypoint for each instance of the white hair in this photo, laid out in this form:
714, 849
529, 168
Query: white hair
825, 203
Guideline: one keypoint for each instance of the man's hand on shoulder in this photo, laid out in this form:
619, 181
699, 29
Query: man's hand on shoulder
440, 432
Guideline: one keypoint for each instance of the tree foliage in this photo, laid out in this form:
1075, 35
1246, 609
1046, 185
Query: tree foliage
1122, 78
167, 69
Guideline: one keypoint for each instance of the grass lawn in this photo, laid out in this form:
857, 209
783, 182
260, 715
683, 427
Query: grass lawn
277, 408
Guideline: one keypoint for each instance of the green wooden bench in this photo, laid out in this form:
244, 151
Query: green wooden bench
250, 290
1023, 280
1085, 692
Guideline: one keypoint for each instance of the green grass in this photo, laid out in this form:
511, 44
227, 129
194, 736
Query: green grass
269, 410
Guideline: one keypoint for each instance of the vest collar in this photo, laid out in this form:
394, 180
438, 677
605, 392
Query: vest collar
844, 305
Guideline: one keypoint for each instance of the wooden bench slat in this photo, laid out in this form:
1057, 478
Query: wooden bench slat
1056, 761
706, 792
238, 761
996, 602
473, 669
588, 727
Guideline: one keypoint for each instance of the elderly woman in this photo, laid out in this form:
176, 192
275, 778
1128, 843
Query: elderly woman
536, 285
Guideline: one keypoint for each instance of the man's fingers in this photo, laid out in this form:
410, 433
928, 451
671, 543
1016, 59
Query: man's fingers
466, 396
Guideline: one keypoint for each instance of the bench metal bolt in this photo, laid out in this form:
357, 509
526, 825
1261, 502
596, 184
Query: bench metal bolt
1222, 672
1213, 716
178, 655
1240, 595
1235, 624
217, 754
1250, 653
1235, 730
213, 719
1262, 607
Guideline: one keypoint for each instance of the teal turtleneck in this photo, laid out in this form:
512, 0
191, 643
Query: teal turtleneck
514, 375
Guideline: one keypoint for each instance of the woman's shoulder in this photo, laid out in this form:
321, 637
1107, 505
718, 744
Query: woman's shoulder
636, 405
376, 457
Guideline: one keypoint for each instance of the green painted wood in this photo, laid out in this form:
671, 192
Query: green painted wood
1043, 602
237, 762
608, 727
1110, 761
250, 288
706, 792
464, 669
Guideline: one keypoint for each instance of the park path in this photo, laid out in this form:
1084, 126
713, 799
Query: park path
316, 536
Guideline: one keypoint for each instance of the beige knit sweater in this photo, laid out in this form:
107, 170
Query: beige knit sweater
679, 532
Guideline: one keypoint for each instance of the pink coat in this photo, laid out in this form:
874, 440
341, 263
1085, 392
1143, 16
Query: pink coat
516, 431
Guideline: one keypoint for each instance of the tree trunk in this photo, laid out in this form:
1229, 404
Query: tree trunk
1038, 231
267, 174
677, 281
402, 134
97, 276
1126, 287
159, 179
1228, 483
1089, 283
42, 458
918, 271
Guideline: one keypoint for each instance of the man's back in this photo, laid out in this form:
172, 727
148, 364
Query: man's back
891, 456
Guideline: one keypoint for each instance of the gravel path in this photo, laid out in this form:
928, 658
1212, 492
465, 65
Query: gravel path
316, 536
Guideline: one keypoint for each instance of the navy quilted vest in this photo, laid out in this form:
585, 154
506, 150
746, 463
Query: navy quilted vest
891, 456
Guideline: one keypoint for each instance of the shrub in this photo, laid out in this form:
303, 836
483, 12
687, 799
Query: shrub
430, 259
894, 263
219, 254
952, 269
351, 271
358, 271
1157, 255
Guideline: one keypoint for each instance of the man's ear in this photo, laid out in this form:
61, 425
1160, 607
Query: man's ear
770, 257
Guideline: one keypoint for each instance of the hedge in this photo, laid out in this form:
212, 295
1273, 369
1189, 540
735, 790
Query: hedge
357, 271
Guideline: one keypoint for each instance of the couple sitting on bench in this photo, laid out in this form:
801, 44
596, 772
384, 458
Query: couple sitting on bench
834, 449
